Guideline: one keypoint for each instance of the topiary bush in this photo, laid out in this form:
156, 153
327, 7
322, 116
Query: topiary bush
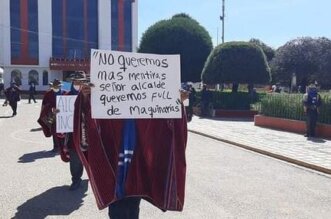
180, 35
239, 62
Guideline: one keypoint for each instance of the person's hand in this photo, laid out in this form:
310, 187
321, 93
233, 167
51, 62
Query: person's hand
54, 110
184, 95
86, 89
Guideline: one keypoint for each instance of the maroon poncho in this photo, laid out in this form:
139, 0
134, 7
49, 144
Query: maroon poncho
49, 102
158, 166
49, 129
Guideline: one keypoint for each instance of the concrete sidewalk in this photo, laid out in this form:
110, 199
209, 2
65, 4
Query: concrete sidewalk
291, 147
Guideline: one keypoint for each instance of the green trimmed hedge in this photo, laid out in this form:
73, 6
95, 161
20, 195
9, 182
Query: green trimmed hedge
289, 106
232, 101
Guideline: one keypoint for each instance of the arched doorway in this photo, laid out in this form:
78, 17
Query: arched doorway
16, 76
33, 77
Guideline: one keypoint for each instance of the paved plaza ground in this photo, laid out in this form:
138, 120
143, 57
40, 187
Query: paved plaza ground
35, 182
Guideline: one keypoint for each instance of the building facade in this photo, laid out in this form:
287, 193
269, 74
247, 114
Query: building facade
41, 40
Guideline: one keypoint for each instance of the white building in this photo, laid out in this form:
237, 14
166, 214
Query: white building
41, 40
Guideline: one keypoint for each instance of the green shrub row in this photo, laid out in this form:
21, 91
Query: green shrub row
290, 106
232, 101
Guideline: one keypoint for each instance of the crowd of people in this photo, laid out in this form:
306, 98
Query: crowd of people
120, 159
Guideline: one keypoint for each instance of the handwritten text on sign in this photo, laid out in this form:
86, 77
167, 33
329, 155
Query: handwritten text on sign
65, 118
135, 85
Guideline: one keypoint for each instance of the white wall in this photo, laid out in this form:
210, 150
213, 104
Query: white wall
5, 39
135, 26
104, 26
45, 31
2, 30
5, 22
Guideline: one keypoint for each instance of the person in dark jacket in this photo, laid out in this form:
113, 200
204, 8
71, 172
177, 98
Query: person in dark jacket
32, 92
311, 104
192, 97
205, 101
76, 166
12, 94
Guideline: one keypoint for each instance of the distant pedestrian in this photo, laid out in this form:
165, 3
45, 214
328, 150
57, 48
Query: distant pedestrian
192, 99
1, 88
12, 94
205, 101
47, 118
276, 88
68, 151
32, 92
311, 104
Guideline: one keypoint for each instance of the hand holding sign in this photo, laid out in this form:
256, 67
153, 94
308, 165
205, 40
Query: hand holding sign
86, 89
184, 94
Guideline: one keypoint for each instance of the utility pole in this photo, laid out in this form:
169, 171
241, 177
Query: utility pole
222, 17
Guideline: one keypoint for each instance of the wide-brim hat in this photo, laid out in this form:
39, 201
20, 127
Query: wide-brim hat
55, 83
78, 76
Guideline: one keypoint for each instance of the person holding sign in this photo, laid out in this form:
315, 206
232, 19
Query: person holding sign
128, 160
130, 131
76, 166
47, 119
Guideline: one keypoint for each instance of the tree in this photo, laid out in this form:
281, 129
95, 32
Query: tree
236, 62
306, 57
323, 75
180, 35
268, 51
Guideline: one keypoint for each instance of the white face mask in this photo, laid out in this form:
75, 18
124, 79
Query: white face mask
77, 87
56, 90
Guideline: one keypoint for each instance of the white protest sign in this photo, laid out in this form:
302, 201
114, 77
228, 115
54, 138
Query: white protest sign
134, 85
65, 118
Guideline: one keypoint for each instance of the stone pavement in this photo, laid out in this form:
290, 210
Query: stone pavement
295, 148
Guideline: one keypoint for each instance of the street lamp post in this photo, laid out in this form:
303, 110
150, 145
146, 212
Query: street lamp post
222, 17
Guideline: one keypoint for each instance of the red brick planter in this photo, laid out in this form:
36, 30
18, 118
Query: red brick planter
289, 125
235, 113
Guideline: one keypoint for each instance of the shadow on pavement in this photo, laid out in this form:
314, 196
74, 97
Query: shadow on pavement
317, 140
31, 157
55, 201
36, 129
228, 119
5, 117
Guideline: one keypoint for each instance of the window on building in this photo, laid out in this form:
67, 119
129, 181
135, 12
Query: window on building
15, 32
24, 40
16, 76
75, 28
121, 25
33, 48
45, 78
34, 77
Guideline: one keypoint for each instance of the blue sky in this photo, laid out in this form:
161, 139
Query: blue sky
273, 21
